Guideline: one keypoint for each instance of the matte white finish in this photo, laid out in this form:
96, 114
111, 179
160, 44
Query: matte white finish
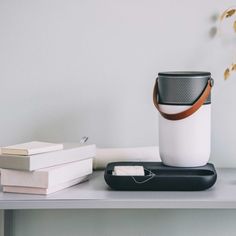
186, 142
95, 194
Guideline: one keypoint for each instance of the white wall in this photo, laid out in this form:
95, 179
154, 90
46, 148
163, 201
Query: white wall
72, 68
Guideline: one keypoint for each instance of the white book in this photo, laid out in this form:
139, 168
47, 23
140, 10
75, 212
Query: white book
31, 148
47, 177
70, 153
31, 190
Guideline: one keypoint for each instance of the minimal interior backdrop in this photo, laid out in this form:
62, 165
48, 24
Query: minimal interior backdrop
70, 68
73, 68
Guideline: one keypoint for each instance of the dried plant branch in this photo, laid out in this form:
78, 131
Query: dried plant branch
230, 13
234, 26
233, 67
226, 74
226, 14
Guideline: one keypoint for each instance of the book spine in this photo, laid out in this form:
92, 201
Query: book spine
14, 162
62, 157
24, 178
32, 190
44, 160
48, 177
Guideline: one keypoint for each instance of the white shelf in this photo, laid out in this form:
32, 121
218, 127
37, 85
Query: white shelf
95, 194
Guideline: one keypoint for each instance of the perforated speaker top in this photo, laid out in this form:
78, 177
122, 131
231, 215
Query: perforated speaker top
182, 87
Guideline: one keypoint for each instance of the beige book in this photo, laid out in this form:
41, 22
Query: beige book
47, 177
31, 190
31, 148
70, 153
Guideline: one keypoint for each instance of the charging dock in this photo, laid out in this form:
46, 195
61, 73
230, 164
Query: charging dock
163, 178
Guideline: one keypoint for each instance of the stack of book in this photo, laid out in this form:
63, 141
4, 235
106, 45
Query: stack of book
43, 168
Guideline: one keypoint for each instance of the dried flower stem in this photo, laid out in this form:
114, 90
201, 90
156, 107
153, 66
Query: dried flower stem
226, 14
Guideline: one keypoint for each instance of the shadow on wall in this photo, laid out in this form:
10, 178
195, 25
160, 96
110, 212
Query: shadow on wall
213, 20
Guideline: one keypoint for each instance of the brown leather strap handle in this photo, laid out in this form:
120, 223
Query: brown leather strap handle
184, 114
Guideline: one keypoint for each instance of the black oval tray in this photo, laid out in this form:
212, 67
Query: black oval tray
166, 178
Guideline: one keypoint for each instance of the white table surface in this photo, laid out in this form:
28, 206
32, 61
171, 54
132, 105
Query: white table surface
95, 194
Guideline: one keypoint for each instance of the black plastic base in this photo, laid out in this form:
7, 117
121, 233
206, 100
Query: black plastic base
165, 179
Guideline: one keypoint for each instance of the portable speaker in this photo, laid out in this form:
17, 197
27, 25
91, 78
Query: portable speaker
183, 100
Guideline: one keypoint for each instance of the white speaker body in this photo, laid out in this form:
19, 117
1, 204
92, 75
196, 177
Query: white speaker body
183, 100
186, 142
